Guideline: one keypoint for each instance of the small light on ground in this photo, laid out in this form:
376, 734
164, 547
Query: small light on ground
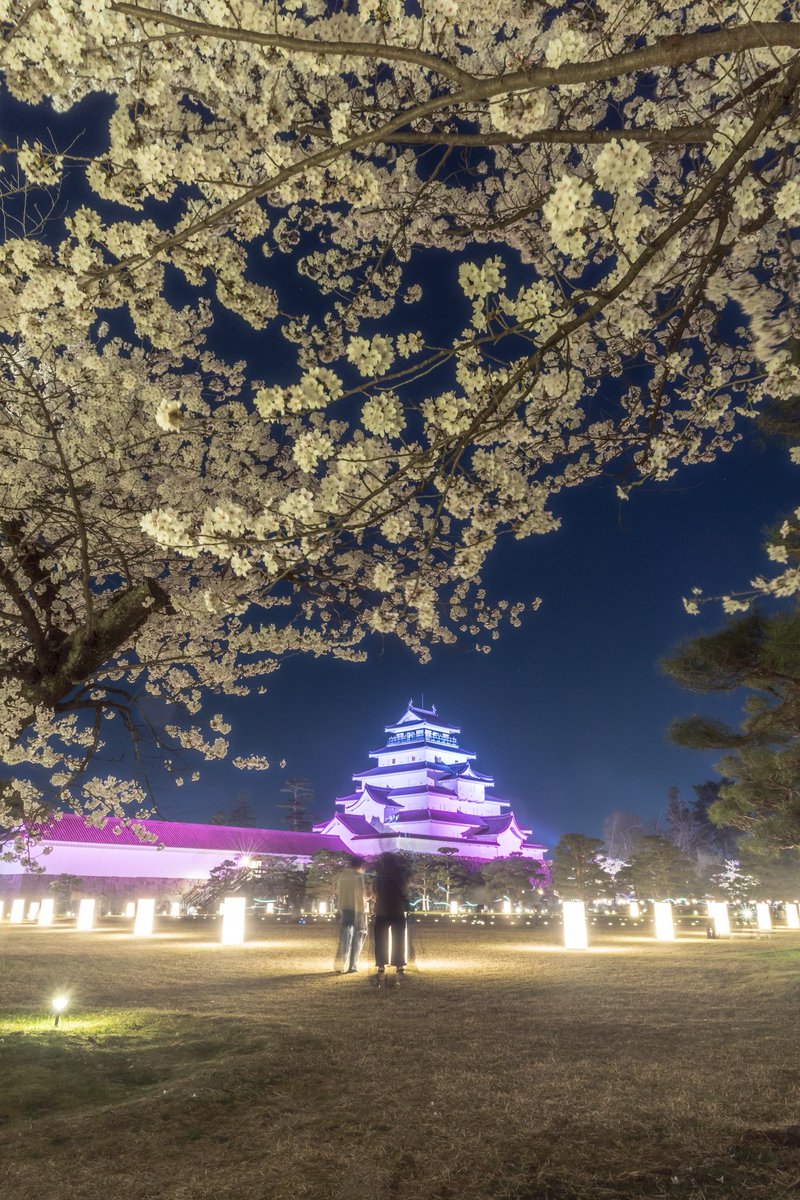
575, 935
718, 911
665, 928
175, 908
85, 916
322, 907
145, 913
59, 1003
233, 914
634, 912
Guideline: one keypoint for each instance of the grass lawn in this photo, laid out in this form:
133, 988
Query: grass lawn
504, 1068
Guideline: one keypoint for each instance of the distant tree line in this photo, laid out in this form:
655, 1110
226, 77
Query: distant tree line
435, 881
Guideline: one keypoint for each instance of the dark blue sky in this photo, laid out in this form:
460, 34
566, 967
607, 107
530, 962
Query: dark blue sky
569, 713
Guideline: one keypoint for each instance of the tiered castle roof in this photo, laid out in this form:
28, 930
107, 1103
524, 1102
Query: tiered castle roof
424, 794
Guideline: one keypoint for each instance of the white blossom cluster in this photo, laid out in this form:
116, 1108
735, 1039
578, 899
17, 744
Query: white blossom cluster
566, 210
200, 520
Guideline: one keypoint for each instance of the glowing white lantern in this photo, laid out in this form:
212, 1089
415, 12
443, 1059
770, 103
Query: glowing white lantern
634, 912
145, 914
46, 911
322, 907
130, 909
2, 909
506, 906
270, 906
665, 928
575, 935
763, 917
454, 907
792, 917
85, 916
17, 912
33, 910
233, 912
718, 911
175, 908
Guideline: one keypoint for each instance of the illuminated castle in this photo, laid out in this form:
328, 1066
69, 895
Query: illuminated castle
424, 795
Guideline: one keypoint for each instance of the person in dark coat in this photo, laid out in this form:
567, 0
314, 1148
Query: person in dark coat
391, 910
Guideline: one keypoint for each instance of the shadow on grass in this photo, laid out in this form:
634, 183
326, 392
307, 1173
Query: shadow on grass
762, 1165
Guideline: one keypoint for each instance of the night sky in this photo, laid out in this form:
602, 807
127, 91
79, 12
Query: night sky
568, 713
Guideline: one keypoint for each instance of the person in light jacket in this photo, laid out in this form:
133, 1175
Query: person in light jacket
351, 901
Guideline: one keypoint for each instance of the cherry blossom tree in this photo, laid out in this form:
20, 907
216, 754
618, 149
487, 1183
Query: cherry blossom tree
605, 194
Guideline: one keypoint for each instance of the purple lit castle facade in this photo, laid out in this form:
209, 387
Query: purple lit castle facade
424, 795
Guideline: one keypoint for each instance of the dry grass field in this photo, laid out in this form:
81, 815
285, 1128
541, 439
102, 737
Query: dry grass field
504, 1068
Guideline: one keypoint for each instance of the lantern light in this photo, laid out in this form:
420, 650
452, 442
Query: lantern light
17, 912
763, 917
130, 909
145, 913
322, 907
175, 908
575, 936
454, 907
59, 1003
33, 910
665, 926
233, 914
46, 910
792, 917
718, 911
85, 915
2, 909
634, 912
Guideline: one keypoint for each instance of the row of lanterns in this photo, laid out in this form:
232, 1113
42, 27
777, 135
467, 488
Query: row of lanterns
576, 931
233, 910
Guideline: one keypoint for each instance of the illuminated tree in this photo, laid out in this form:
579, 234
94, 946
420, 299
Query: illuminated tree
659, 870
516, 878
323, 873
578, 872
599, 189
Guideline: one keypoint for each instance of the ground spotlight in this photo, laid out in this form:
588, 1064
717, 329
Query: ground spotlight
59, 1003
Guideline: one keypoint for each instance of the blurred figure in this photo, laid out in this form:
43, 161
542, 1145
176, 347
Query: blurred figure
351, 900
391, 909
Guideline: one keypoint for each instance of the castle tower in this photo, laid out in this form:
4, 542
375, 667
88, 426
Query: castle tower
424, 794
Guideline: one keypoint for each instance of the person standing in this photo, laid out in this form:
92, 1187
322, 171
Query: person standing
391, 911
351, 900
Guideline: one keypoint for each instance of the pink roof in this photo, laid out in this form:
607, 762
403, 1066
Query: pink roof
183, 836
355, 824
450, 818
